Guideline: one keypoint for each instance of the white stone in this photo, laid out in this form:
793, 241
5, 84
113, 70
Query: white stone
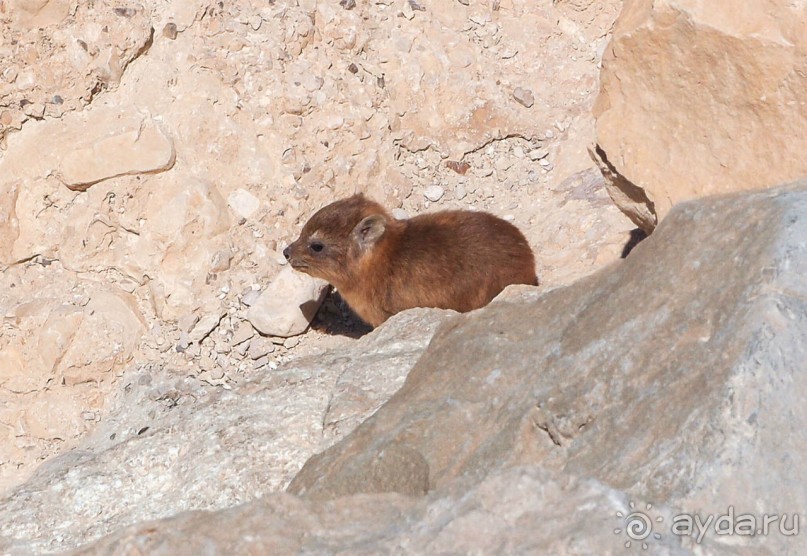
287, 305
434, 193
243, 203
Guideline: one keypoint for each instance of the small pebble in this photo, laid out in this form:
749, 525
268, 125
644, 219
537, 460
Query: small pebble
459, 167
243, 332
524, 97
250, 297
538, 154
400, 214
434, 193
206, 363
260, 347
170, 31
459, 192
205, 326
291, 342
184, 342
125, 12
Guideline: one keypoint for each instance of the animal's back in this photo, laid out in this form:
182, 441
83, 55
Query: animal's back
457, 260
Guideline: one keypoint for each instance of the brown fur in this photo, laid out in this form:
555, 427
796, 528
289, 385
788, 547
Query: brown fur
452, 259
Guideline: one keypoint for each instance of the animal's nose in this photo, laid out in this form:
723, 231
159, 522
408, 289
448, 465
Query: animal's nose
286, 253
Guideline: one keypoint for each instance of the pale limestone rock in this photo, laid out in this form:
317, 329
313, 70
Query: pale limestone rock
55, 364
524, 97
434, 193
39, 13
251, 440
504, 510
185, 231
243, 203
205, 326
701, 98
106, 338
9, 225
138, 151
288, 304
63, 54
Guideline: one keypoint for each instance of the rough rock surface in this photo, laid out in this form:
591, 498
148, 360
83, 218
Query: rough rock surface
166, 152
518, 511
539, 421
691, 398
60, 54
699, 98
169, 444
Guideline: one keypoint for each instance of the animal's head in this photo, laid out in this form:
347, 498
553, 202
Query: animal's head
336, 237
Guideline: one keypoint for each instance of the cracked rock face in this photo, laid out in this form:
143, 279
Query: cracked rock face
701, 98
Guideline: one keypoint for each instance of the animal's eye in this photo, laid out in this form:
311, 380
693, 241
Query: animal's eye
316, 246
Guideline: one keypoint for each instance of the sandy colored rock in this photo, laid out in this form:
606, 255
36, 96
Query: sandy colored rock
287, 305
9, 225
205, 326
700, 98
61, 58
39, 13
139, 151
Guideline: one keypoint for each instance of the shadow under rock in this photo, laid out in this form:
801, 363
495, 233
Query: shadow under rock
636, 237
336, 318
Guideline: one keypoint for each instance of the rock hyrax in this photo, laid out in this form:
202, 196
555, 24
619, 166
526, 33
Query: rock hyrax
453, 259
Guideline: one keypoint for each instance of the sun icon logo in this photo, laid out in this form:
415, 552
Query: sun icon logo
638, 526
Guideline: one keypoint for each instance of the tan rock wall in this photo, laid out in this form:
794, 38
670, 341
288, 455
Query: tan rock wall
700, 98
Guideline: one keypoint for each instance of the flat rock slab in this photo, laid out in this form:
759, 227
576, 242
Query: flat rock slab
137, 151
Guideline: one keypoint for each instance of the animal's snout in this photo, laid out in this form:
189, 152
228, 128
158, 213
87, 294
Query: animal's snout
287, 253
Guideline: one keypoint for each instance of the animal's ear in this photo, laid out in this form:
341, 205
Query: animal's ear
369, 230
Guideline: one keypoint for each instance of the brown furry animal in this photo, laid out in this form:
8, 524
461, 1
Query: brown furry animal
453, 259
